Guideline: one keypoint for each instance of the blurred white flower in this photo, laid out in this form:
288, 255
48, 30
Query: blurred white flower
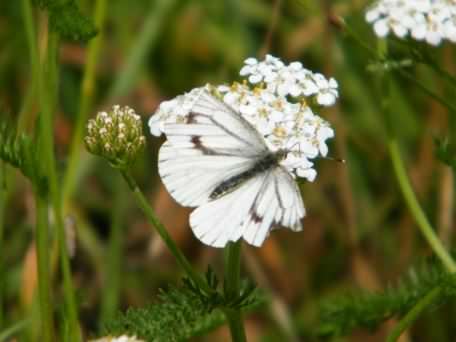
424, 20
276, 99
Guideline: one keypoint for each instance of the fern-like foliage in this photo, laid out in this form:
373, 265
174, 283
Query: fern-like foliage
181, 312
342, 314
66, 18
22, 153
177, 317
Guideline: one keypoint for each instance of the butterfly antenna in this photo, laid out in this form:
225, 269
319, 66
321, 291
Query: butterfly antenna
339, 160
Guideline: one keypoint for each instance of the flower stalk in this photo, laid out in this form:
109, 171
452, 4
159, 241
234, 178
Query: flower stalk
232, 288
44, 278
416, 210
413, 205
48, 96
2, 227
161, 230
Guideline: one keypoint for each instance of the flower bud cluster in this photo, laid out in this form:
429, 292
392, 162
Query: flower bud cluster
116, 135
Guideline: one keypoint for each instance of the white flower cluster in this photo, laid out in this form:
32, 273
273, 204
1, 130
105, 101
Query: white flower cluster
424, 20
292, 79
276, 99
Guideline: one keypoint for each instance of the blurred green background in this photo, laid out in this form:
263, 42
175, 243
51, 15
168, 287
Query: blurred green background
358, 232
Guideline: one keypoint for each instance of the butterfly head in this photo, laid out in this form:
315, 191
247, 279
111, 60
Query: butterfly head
281, 154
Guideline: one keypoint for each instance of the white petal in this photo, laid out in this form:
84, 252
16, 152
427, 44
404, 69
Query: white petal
400, 31
156, 125
372, 15
326, 99
246, 70
309, 174
381, 28
433, 38
255, 78
251, 61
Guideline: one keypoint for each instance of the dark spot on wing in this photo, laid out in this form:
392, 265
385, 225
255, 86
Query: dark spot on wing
198, 144
191, 118
255, 217
196, 140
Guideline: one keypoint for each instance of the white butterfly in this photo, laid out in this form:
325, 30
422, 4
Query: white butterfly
219, 163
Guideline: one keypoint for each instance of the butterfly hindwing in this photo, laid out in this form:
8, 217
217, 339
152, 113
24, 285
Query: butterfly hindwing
250, 211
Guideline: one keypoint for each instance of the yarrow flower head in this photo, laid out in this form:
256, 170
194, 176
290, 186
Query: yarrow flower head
116, 135
279, 101
424, 20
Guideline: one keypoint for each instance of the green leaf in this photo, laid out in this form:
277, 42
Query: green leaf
182, 312
21, 152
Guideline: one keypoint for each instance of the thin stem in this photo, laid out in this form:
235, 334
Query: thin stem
48, 94
2, 227
27, 14
44, 275
415, 208
233, 279
86, 102
112, 279
161, 230
413, 314
271, 30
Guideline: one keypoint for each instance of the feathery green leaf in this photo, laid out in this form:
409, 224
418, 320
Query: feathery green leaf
182, 312
343, 313
21, 152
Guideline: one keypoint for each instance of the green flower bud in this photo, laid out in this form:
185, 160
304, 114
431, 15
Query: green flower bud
116, 136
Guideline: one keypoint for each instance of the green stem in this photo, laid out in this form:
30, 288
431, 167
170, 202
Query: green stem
161, 230
44, 276
27, 14
233, 287
86, 102
48, 95
113, 258
413, 314
415, 208
2, 226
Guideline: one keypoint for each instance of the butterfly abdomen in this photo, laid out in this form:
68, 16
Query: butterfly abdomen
265, 163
